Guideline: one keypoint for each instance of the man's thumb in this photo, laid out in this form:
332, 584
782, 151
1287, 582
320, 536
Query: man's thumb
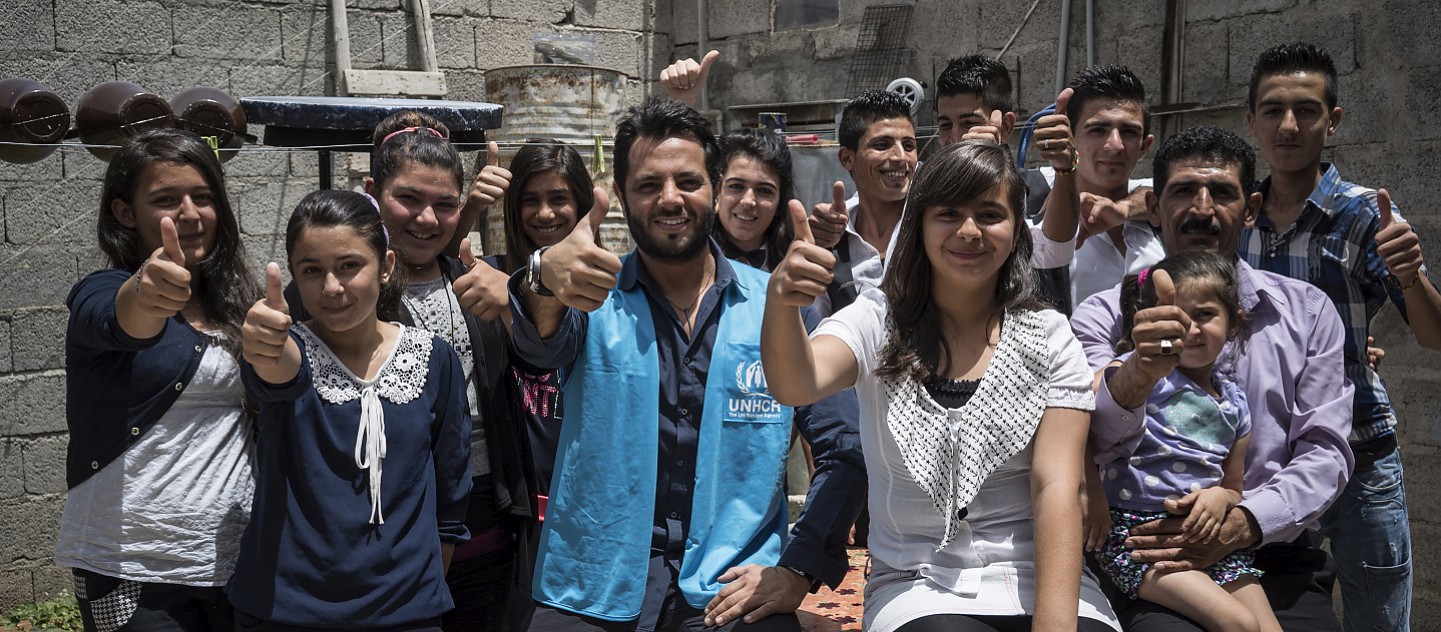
274, 293
596, 216
998, 119
1383, 200
838, 197
1165, 288
705, 62
799, 223
492, 154
467, 258
170, 241
1062, 100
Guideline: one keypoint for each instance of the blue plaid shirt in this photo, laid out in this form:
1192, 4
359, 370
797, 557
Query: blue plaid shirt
1332, 245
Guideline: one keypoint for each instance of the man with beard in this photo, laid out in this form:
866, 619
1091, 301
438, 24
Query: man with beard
667, 510
1289, 366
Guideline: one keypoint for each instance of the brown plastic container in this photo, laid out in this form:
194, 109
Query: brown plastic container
209, 111
116, 110
30, 113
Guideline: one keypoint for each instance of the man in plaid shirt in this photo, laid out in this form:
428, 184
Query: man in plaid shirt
1351, 242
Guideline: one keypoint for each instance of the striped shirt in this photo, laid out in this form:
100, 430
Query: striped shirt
1332, 244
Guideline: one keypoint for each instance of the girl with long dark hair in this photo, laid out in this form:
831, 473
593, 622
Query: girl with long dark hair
160, 454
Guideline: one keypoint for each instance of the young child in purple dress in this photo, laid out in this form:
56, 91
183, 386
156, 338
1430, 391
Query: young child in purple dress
1186, 452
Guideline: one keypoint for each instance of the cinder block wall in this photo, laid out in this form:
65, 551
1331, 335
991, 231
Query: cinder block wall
248, 48
1390, 89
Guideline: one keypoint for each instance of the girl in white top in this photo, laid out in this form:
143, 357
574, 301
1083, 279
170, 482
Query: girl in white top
962, 378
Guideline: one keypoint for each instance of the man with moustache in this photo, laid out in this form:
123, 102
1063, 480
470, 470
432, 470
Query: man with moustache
1352, 243
1290, 370
667, 510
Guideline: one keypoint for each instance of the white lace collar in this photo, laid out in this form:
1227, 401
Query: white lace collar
950, 458
401, 378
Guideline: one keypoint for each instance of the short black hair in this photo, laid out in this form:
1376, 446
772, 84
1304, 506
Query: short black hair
1110, 81
867, 108
1285, 59
978, 74
1205, 142
664, 118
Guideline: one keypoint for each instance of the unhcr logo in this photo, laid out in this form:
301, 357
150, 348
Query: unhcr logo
751, 378
752, 401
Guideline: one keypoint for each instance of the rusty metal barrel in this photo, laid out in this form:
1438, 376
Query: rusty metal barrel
571, 104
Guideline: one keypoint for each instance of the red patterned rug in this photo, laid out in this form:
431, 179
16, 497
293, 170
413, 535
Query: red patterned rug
837, 610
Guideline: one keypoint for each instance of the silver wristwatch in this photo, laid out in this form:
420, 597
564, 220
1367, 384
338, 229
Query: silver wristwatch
532, 274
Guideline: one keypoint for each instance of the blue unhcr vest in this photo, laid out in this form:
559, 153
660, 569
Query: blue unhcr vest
595, 545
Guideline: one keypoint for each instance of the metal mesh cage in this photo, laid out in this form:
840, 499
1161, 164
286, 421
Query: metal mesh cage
881, 49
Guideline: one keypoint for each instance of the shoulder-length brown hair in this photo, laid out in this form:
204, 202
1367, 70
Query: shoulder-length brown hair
916, 347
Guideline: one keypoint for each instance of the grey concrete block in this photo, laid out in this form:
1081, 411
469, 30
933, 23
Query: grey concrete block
682, 25
1422, 465
121, 26
635, 15
38, 275
1334, 29
237, 30
16, 587
837, 42
461, 8
1223, 10
1406, 29
48, 169
1370, 114
1426, 556
508, 43
12, 469
169, 77
30, 526
58, 213
272, 79
264, 205
367, 37
946, 30
258, 162
50, 580
383, 5
1419, 97
455, 42
28, 24
465, 85
39, 338
69, 75
998, 20
1135, 50
305, 33
32, 404
6, 355
620, 50
543, 11
1392, 164
44, 464
729, 19
1204, 76
81, 165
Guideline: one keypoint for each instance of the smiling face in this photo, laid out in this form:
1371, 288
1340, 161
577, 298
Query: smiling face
339, 277
1211, 323
746, 206
967, 244
1291, 121
547, 209
669, 205
174, 190
421, 208
956, 114
1203, 205
1110, 137
884, 161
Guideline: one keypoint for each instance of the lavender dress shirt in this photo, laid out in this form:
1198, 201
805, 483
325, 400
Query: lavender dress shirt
1291, 369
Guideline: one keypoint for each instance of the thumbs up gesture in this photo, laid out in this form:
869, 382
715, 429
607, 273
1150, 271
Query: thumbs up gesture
492, 181
482, 290
993, 130
266, 331
1053, 136
806, 270
162, 281
682, 80
828, 221
1160, 332
577, 270
1397, 244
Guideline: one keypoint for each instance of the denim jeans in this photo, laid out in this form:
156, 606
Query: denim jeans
1371, 541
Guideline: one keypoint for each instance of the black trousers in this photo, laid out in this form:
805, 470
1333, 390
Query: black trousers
108, 604
977, 623
678, 616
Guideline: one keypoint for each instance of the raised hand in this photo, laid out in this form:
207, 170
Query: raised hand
1159, 332
266, 331
492, 181
577, 270
162, 282
1397, 244
993, 130
806, 270
828, 221
482, 290
682, 80
1053, 135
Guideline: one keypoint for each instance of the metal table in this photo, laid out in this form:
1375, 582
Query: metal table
326, 124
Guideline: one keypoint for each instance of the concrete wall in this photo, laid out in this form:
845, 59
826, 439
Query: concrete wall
265, 47
1390, 88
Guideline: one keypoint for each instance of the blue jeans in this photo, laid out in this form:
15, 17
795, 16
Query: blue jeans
1371, 540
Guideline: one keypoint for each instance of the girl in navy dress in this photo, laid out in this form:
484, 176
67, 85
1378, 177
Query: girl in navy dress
364, 439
